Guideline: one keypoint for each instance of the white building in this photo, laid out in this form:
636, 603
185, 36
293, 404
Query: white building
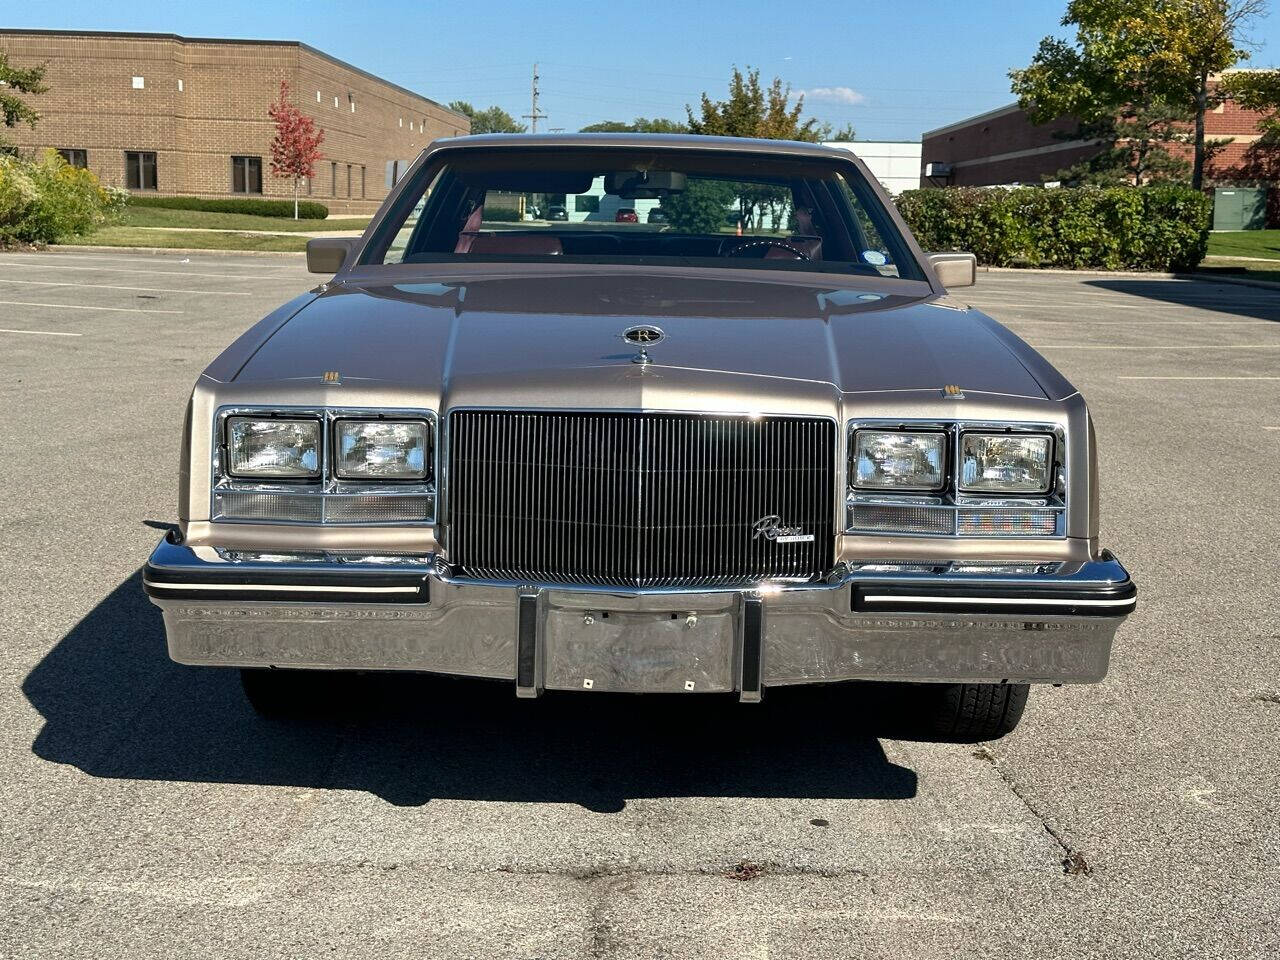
895, 163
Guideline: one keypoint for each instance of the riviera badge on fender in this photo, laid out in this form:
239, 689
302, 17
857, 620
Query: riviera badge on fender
772, 528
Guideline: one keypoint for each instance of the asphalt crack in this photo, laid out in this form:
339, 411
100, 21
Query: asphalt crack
1073, 861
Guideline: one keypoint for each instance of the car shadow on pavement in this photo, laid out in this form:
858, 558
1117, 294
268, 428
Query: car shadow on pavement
115, 706
1235, 299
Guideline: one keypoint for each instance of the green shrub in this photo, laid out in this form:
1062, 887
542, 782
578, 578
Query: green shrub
501, 215
307, 209
46, 200
1110, 228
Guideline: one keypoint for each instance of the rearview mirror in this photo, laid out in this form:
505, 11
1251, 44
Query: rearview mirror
955, 269
328, 254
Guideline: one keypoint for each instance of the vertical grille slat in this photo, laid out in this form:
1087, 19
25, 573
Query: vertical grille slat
637, 499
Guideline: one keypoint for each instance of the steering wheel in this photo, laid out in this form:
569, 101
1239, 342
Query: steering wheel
760, 248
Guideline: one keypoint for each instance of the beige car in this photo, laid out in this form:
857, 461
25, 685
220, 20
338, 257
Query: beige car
747, 444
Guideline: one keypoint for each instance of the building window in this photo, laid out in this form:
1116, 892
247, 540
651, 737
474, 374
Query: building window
317, 96
139, 83
76, 158
246, 174
362, 183
308, 186
335, 103
402, 122
348, 181
333, 179
139, 170
586, 204
179, 86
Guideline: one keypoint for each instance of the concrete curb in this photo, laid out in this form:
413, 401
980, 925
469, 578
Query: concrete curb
1238, 280
155, 251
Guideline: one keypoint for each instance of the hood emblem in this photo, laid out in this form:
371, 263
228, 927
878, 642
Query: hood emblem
772, 528
332, 376
644, 334
952, 392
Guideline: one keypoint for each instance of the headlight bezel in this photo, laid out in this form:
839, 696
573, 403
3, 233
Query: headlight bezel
1050, 459
943, 466
428, 450
227, 450
327, 499
953, 513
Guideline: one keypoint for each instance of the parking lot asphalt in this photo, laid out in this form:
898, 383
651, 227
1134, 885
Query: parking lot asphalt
147, 812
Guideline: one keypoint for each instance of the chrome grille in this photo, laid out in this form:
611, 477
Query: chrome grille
637, 499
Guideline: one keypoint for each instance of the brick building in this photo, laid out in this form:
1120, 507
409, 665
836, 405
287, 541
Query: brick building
188, 116
1004, 147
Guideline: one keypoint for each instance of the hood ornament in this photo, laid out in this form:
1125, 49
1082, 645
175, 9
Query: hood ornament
952, 392
643, 334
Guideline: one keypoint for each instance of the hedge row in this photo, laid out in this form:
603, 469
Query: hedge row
45, 200
307, 209
1111, 228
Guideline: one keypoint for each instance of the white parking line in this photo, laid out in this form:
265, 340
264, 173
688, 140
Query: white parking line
1160, 346
108, 286
1203, 378
142, 258
42, 333
161, 273
79, 306
1147, 323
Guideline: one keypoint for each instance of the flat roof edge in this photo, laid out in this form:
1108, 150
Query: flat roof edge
298, 44
967, 121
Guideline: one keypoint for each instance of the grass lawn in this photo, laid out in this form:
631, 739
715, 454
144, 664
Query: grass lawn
160, 217
195, 239
1245, 243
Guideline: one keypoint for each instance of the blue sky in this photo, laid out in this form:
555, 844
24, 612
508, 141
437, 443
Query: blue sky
893, 69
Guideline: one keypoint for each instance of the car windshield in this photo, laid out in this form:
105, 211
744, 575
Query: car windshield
643, 205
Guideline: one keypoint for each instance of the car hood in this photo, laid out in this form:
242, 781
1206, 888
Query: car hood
558, 339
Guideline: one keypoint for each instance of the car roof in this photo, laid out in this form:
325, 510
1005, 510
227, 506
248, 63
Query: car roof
664, 141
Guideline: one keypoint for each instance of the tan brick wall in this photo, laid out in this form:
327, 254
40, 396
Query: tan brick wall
220, 112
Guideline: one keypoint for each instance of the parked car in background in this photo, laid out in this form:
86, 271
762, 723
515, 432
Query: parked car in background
557, 213
656, 215
626, 215
681, 461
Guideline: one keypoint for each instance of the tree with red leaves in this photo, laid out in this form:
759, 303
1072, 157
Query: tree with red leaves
296, 146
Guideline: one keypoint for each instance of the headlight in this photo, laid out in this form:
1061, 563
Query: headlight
888, 460
273, 449
1005, 463
382, 450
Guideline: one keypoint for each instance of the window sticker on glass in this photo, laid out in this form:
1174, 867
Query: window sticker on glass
875, 258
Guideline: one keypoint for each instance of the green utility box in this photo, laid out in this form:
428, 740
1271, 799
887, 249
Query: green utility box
1239, 208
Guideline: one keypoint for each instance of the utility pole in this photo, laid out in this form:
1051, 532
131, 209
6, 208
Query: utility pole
534, 116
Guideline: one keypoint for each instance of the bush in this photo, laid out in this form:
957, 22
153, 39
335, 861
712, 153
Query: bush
1113, 228
307, 210
47, 200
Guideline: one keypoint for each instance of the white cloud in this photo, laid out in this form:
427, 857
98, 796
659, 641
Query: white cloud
846, 95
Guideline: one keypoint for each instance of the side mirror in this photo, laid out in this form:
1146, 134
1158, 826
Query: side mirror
955, 269
327, 254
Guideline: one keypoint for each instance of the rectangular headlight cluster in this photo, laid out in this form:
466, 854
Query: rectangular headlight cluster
326, 466
951, 480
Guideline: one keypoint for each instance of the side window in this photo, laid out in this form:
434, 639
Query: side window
140, 170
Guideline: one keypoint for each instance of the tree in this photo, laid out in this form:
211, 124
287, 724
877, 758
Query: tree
844, 134
1146, 58
296, 145
638, 125
754, 111
700, 207
13, 81
492, 120
1137, 151
1258, 90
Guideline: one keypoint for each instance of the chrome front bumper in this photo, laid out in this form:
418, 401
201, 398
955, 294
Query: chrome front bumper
920, 622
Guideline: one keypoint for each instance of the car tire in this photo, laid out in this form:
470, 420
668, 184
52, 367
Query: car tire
969, 712
285, 694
